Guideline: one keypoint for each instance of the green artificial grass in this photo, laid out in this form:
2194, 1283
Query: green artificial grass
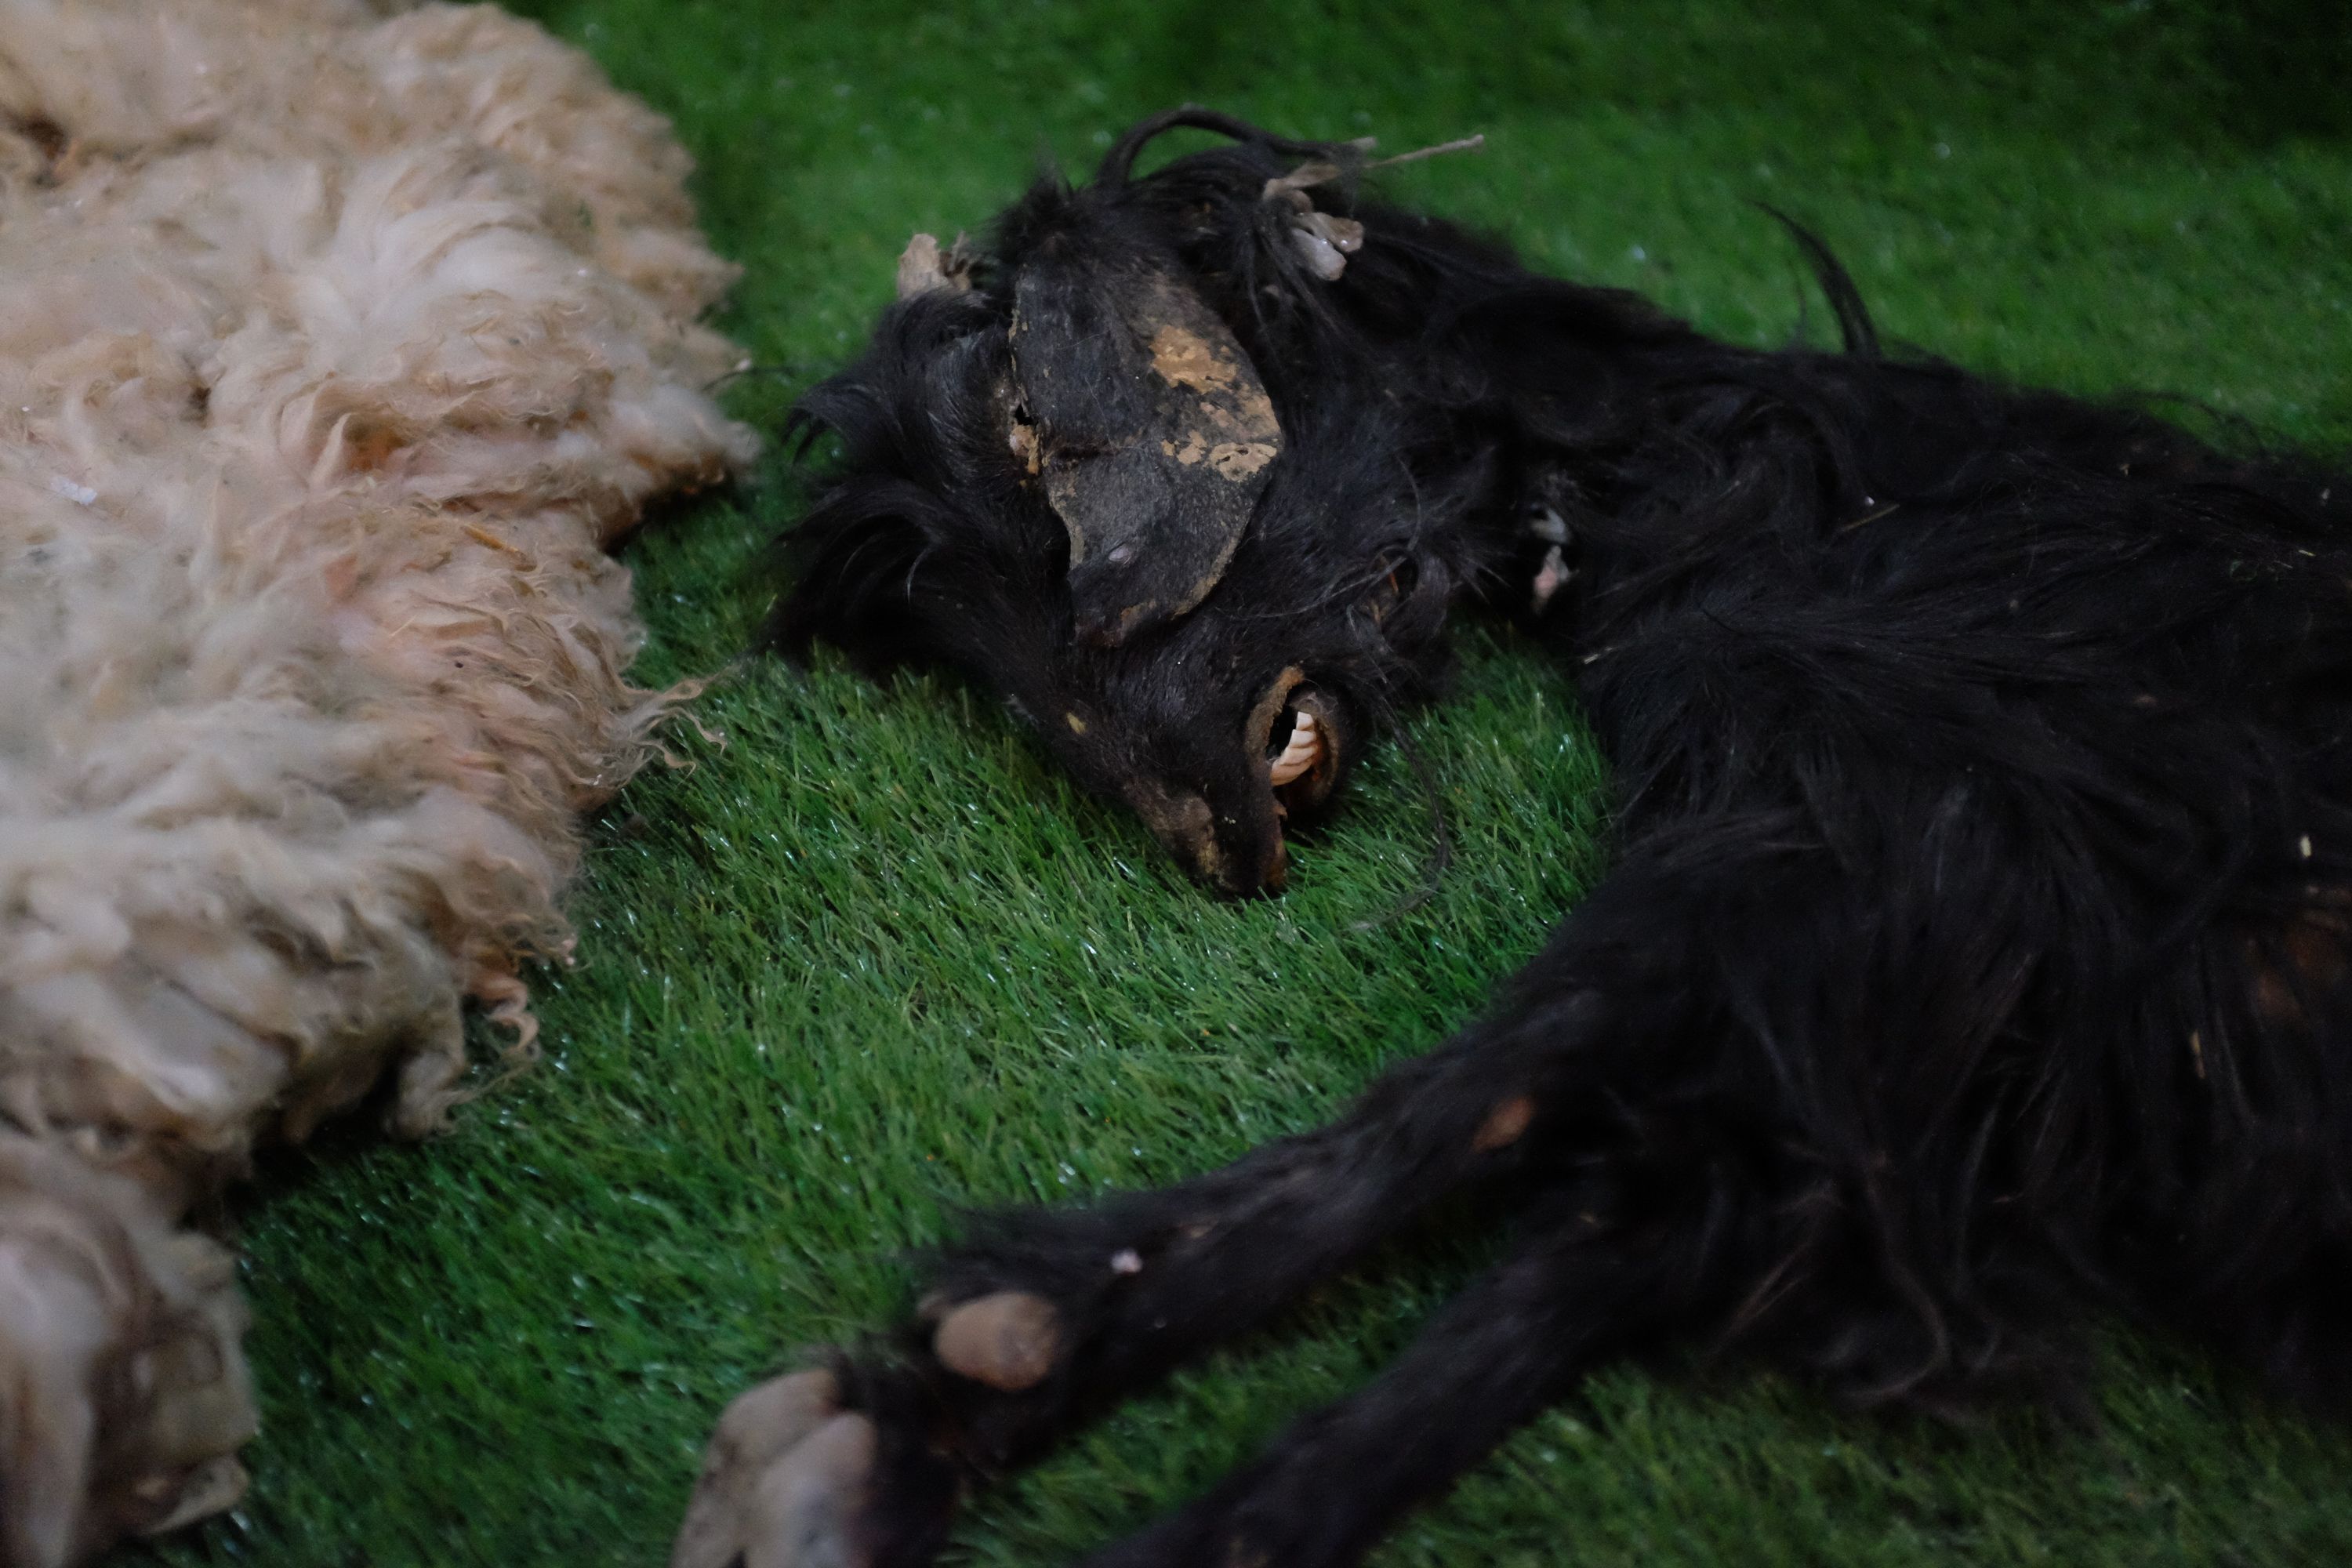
871, 957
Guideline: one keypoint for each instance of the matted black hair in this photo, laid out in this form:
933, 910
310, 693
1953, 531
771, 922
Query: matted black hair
1974, 960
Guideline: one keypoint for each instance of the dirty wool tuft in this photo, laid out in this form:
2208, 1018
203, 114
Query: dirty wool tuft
333, 349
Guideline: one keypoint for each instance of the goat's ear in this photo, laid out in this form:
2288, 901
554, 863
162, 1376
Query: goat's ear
1149, 427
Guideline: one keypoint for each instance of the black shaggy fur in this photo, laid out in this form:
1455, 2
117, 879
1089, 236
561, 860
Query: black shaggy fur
1975, 957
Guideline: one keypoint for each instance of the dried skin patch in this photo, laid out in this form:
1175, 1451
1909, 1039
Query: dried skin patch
1189, 361
1237, 460
1184, 359
1152, 433
1231, 460
1238, 407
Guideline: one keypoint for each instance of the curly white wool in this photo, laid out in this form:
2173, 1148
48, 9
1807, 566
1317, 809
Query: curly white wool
332, 349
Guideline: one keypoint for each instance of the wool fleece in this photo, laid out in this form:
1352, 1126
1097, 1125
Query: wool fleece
334, 349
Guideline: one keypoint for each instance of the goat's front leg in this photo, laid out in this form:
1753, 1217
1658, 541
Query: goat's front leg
1044, 1317
1580, 1291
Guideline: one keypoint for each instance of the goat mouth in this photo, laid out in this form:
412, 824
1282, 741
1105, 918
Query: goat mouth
1295, 733
1301, 750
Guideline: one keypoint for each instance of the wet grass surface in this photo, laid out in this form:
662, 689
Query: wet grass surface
870, 958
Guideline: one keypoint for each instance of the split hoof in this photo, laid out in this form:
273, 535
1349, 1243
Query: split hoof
1007, 1341
807, 1509
786, 1477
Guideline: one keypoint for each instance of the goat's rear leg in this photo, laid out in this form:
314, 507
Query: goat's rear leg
1046, 1316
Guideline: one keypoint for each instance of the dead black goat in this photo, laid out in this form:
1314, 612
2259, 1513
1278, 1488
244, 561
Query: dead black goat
1975, 957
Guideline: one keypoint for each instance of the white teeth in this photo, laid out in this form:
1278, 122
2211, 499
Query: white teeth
1301, 753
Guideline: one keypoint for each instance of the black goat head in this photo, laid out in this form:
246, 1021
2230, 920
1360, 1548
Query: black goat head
1079, 467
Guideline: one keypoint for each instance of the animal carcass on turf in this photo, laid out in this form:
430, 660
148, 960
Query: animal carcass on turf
1975, 954
332, 351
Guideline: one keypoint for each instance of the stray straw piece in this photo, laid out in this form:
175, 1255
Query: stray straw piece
1465, 144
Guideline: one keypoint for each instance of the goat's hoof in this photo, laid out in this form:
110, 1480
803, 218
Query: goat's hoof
1007, 1341
786, 1478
